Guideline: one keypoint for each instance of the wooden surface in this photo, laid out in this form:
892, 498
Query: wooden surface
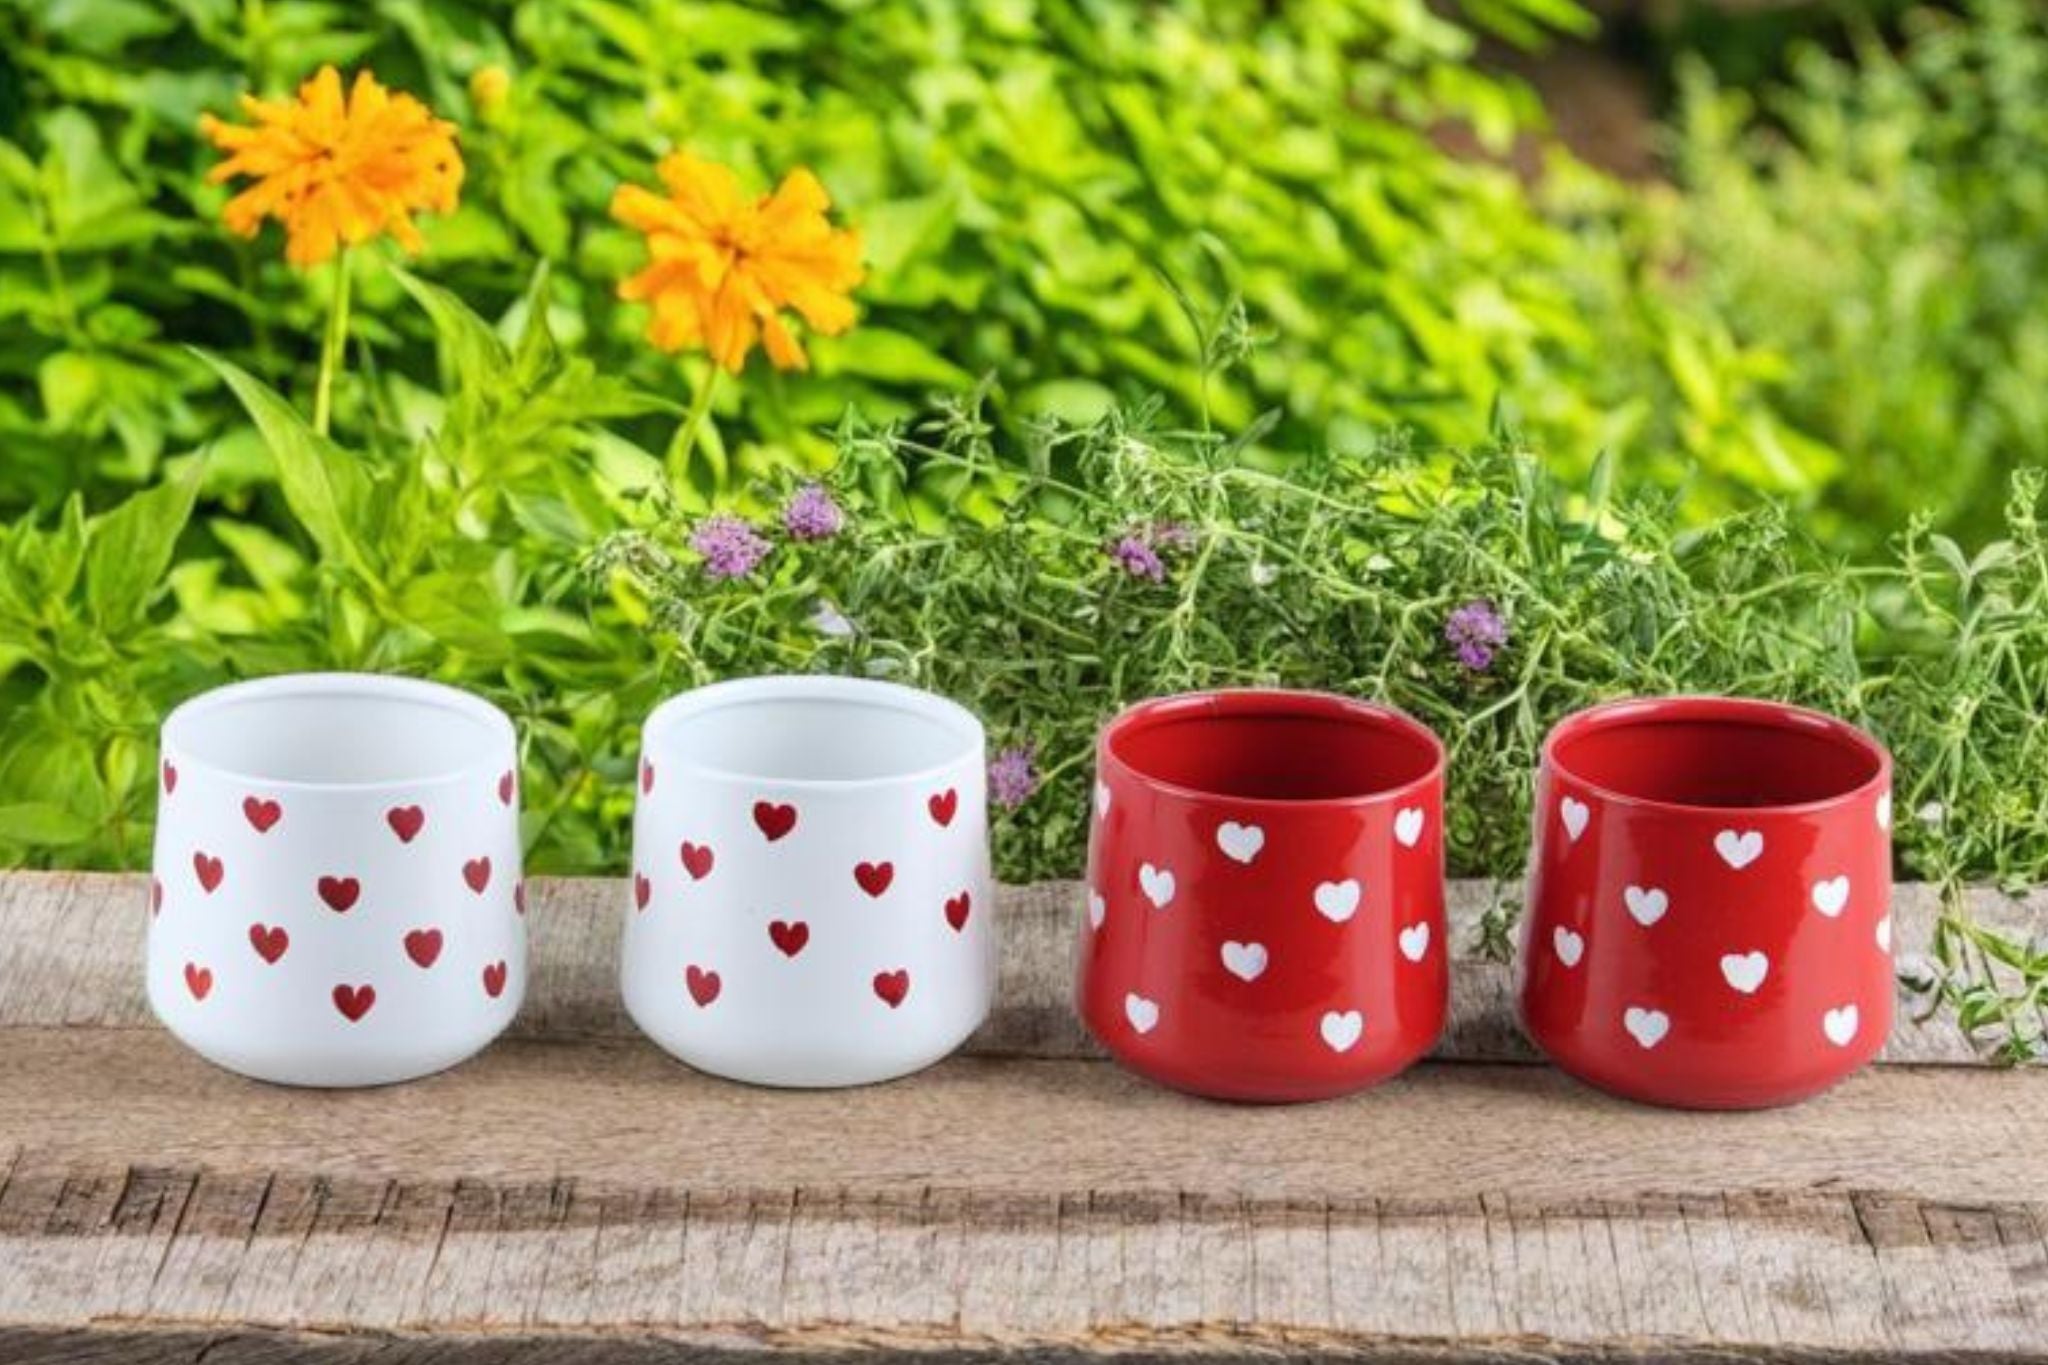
574, 1195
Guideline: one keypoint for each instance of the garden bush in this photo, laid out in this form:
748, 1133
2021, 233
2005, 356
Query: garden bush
1881, 225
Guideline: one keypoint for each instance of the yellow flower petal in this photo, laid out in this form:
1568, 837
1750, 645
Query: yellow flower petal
336, 167
723, 268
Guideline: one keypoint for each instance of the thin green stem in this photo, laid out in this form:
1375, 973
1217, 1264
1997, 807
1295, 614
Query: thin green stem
685, 439
332, 346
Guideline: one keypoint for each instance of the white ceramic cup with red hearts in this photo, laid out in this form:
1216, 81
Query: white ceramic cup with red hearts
336, 897
811, 902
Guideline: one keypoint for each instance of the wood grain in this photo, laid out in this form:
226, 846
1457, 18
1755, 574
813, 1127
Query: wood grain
71, 952
574, 1195
604, 1190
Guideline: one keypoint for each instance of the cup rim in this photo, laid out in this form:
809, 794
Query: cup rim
962, 724
1270, 701
1748, 711
414, 691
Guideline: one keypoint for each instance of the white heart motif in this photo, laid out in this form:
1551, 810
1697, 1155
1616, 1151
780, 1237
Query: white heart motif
1575, 814
1097, 908
1884, 811
1744, 971
1570, 946
1408, 826
1415, 941
1884, 933
1341, 1030
1101, 797
1245, 961
1240, 843
1157, 884
1646, 1026
1739, 849
1830, 896
1646, 905
1840, 1025
1337, 901
1143, 1013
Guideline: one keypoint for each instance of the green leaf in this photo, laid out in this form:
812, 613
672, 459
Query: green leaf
327, 490
128, 550
473, 357
41, 822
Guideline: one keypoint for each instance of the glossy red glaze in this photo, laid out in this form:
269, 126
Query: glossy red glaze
1297, 951
1709, 897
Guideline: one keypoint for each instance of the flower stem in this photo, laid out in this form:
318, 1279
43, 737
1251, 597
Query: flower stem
685, 440
332, 345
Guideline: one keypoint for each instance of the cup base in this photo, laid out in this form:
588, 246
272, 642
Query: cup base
798, 1066
336, 1068
1264, 1090
1691, 1091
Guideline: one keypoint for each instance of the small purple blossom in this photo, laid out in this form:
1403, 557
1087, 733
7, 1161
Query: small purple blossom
810, 514
1138, 559
1012, 777
1173, 535
730, 547
1474, 632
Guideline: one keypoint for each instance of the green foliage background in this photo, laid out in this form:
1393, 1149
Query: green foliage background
1246, 210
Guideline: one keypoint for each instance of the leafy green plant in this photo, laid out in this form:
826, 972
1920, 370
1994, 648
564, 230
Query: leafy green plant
1881, 226
1023, 175
1136, 557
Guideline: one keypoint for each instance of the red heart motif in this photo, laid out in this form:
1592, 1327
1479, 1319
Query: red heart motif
892, 987
423, 946
646, 777
198, 980
790, 938
340, 893
874, 878
209, 870
170, 777
494, 979
696, 860
703, 985
773, 820
406, 822
156, 896
262, 814
477, 872
643, 891
269, 942
943, 805
956, 911
519, 895
507, 785
354, 1001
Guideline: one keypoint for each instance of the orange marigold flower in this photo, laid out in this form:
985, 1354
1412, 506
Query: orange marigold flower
722, 267
337, 169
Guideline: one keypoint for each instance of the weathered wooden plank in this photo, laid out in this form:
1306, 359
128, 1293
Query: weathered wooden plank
525, 1113
71, 945
949, 1272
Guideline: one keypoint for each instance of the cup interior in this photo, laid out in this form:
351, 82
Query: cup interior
1273, 746
340, 730
1716, 753
811, 730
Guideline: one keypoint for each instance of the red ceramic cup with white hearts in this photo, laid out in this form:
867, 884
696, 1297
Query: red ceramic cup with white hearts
1708, 921
336, 897
1264, 914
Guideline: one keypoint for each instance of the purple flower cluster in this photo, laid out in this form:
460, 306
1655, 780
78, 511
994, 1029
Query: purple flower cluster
810, 514
1136, 557
1475, 632
1012, 777
730, 547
